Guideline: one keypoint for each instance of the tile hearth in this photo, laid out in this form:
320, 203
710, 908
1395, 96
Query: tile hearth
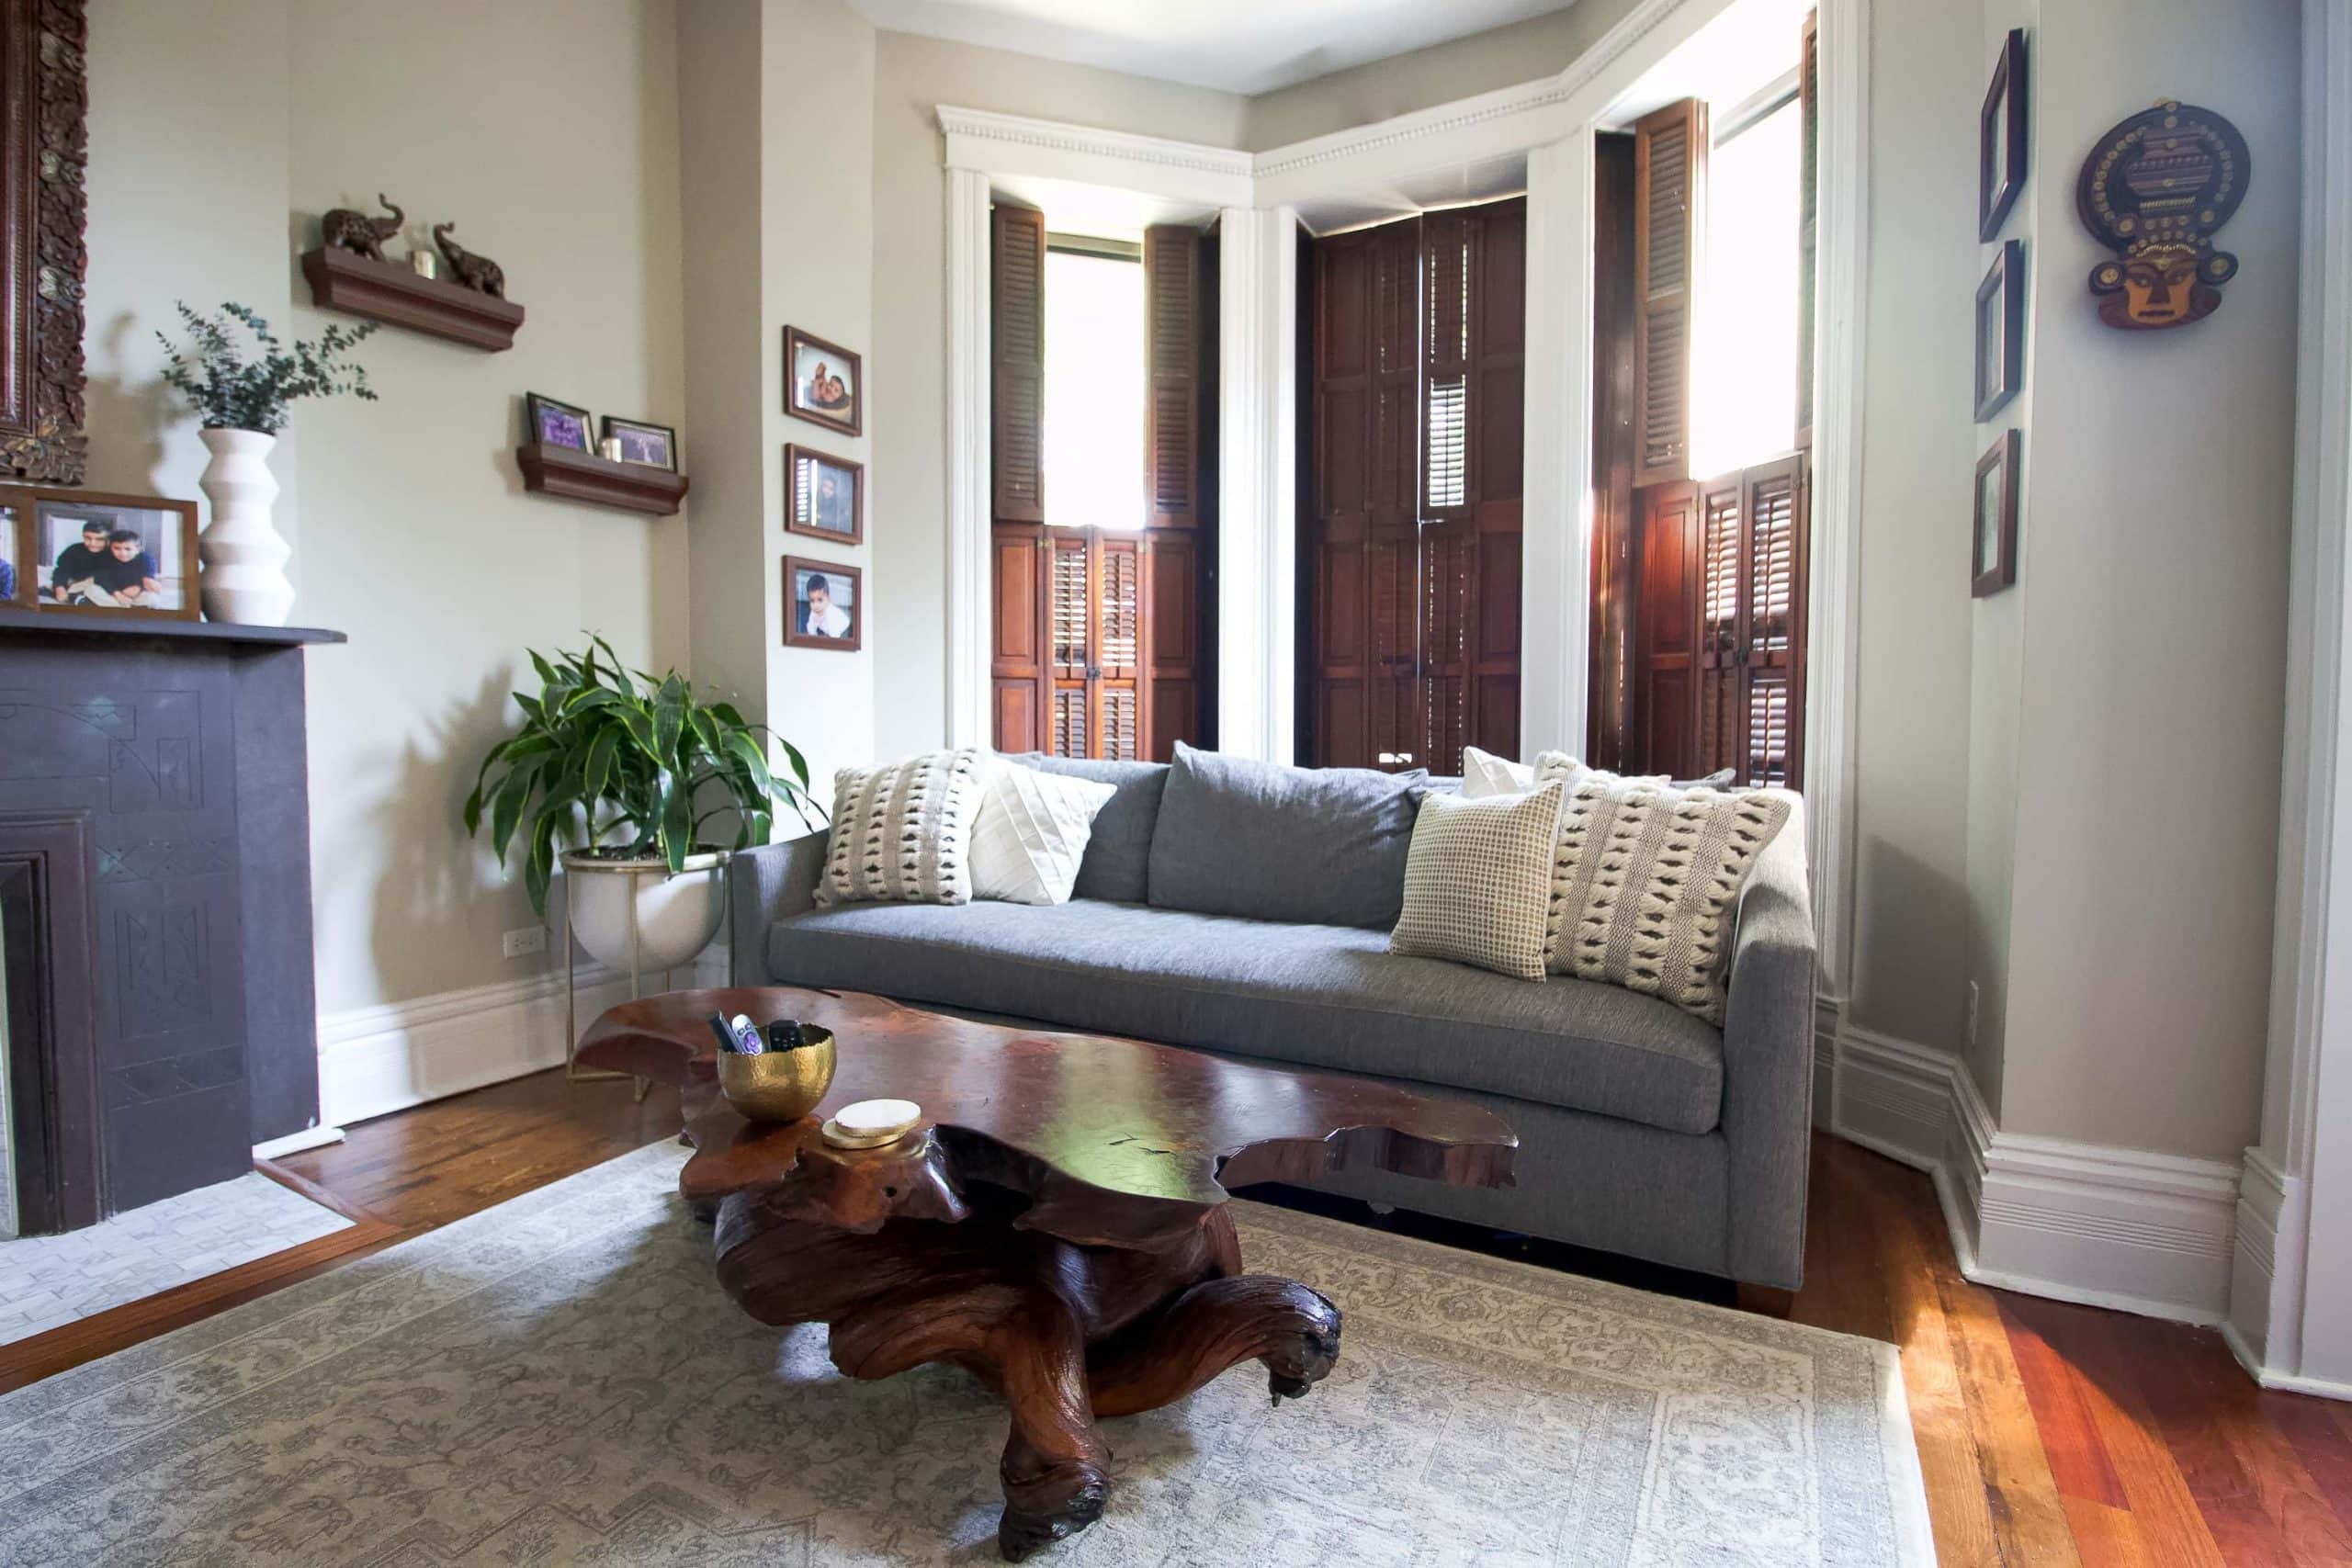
48, 1280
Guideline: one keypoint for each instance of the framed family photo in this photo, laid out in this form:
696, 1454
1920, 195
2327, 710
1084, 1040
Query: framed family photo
653, 445
1993, 548
828, 604
823, 382
825, 496
107, 555
2000, 331
2000, 139
16, 555
550, 424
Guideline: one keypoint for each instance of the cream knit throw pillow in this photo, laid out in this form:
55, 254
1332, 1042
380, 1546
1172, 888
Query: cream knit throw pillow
1476, 880
1647, 882
904, 833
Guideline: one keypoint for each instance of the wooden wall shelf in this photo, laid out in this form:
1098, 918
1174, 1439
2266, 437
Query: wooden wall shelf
577, 476
388, 291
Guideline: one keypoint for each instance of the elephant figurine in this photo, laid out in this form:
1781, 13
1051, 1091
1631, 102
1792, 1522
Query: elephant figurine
478, 273
346, 230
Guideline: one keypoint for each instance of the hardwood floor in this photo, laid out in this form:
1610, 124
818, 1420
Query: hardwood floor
2051, 1434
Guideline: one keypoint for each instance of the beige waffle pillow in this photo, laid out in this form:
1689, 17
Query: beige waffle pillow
1646, 883
1476, 881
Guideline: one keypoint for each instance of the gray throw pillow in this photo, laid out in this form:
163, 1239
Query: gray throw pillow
1310, 846
1118, 855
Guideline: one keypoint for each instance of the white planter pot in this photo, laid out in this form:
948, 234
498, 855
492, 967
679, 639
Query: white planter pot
245, 560
674, 916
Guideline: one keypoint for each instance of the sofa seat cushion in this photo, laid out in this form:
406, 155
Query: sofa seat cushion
1316, 995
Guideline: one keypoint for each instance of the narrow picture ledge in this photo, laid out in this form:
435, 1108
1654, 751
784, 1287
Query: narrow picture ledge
577, 476
386, 291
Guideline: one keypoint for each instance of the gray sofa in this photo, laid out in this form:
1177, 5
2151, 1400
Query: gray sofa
1244, 909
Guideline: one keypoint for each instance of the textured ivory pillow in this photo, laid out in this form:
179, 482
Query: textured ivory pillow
1476, 880
904, 833
1646, 881
1486, 776
1031, 831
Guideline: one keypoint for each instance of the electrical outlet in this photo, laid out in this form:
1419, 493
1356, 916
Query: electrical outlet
522, 943
1974, 997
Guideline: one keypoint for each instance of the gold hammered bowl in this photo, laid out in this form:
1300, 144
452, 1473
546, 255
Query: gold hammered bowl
779, 1086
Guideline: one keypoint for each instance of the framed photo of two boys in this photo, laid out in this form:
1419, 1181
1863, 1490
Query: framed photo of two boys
82, 553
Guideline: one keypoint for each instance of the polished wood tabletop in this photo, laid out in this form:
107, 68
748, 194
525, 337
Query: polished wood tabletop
1114, 1140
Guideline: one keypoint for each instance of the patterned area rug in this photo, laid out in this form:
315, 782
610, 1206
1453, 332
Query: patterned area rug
560, 1379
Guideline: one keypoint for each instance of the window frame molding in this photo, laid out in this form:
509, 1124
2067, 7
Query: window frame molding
1549, 123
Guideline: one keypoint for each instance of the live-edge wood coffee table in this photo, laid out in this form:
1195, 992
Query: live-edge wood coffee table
1058, 1225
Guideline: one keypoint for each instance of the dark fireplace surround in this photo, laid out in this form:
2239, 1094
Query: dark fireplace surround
155, 904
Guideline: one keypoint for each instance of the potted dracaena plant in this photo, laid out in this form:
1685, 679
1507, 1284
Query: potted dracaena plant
615, 772
242, 402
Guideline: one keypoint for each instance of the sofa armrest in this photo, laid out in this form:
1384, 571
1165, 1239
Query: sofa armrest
764, 884
1767, 1063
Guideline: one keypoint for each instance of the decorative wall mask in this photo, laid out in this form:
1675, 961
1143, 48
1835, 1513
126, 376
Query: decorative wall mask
2154, 190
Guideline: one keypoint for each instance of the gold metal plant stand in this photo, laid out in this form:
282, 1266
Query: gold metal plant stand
573, 1070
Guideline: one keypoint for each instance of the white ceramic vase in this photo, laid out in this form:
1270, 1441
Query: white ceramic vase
635, 913
245, 560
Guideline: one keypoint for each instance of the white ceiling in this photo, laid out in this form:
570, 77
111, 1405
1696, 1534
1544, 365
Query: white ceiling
1242, 46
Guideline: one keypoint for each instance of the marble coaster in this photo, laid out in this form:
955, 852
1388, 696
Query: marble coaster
870, 1123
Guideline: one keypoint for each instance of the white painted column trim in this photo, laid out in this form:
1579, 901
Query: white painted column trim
1256, 482
2290, 1313
1841, 263
969, 653
1556, 516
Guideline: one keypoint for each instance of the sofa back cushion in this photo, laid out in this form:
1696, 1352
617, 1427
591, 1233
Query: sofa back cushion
1313, 846
1118, 855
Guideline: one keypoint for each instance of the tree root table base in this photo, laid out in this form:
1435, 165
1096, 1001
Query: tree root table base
1057, 1226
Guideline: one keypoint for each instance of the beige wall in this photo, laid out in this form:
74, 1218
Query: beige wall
216, 141
908, 513
1503, 57
2155, 579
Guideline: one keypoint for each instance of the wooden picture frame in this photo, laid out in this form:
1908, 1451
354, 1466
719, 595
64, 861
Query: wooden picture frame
625, 428
43, 526
1993, 536
804, 510
17, 568
45, 99
848, 415
535, 430
2000, 331
2000, 139
797, 611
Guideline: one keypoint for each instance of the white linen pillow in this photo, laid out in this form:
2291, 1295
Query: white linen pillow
1032, 832
1486, 776
902, 833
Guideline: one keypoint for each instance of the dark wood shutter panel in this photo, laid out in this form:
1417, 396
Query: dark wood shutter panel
1019, 671
1720, 693
1772, 632
1808, 217
1669, 203
1172, 271
1017, 389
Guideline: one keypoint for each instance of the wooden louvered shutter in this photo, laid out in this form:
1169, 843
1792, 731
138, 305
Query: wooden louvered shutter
1808, 220
1070, 632
1665, 624
1017, 385
1721, 699
1669, 196
1772, 633
1172, 435
1118, 646
1026, 706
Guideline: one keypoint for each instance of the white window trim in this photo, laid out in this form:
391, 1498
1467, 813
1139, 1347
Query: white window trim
1549, 122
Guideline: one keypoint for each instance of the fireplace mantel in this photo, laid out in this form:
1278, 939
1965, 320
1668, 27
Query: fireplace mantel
177, 751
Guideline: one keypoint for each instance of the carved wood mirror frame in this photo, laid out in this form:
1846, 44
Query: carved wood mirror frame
44, 103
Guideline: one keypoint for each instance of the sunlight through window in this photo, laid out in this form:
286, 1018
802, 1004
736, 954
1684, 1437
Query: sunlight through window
1094, 391
1744, 394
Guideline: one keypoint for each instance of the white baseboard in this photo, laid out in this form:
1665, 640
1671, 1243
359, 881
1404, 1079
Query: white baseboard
316, 1137
376, 1060
2145, 1232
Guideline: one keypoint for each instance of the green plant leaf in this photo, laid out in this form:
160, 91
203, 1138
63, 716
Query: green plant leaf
599, 766
678, 826
799, 763
506, 808
668, 718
